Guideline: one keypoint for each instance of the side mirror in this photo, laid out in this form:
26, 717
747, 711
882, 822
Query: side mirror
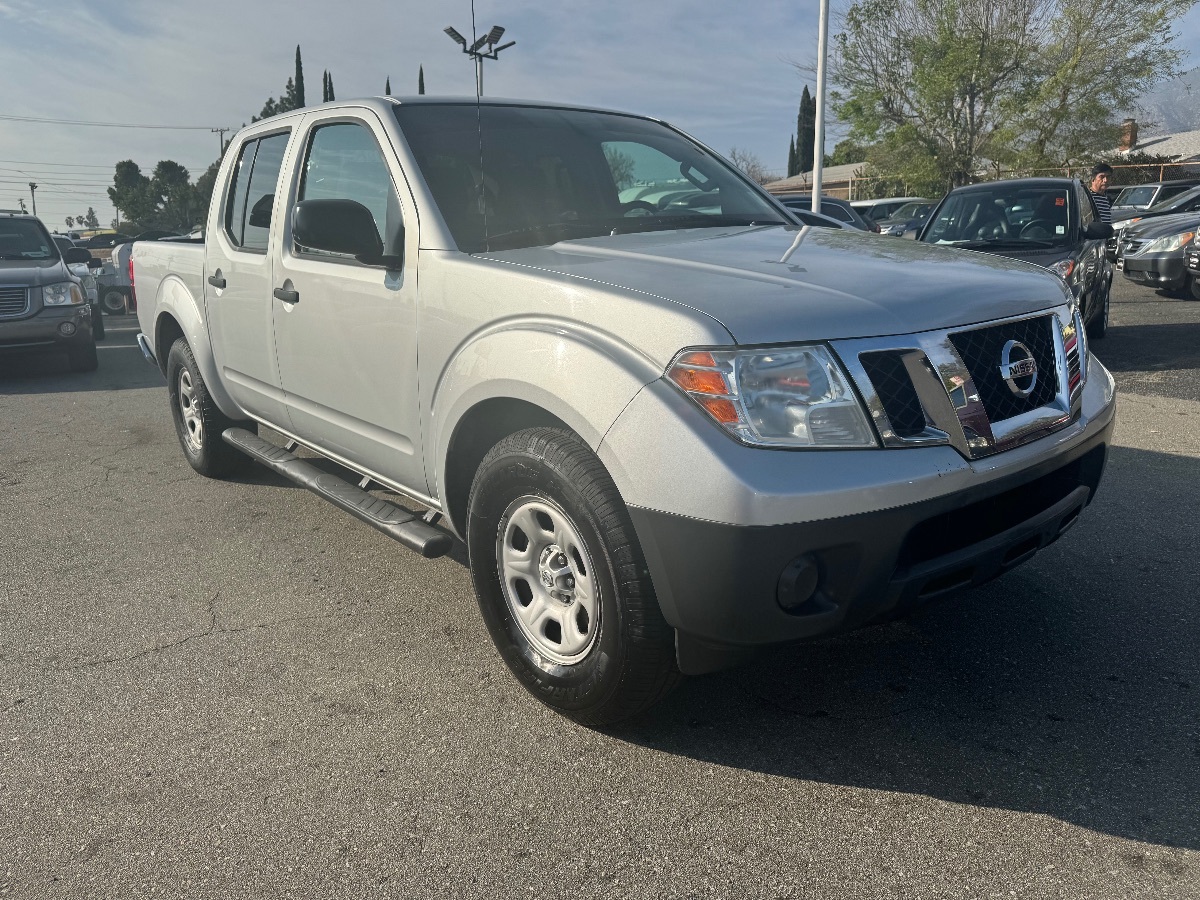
76, 255
94, 263
344, 226
260, 212
1098, 231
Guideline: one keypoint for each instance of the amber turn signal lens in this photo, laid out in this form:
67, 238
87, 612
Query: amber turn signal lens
697, 358
720, 409
700, 381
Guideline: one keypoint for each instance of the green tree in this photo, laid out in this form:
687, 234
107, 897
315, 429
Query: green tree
298, 95
793, 160
806, 132
331, 97
131, 193
421, 80
387, 87
89, 220
70, 221
940, 87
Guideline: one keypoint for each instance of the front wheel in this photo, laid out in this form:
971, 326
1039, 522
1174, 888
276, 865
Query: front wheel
561, 580
1194, 287
198, 421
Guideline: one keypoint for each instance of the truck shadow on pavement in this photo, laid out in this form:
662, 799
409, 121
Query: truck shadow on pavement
1150, 348
1069, 687
122, 366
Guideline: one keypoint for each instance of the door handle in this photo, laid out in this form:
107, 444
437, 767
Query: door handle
287, 296
217, 281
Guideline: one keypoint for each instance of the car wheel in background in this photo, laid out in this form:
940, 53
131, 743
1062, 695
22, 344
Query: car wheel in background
82, 357
113, 301
561, 580
1194, 288
1098, 327
198, 421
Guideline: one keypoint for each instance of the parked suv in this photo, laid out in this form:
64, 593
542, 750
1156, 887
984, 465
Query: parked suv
42, 304
1051, 222
1143, 196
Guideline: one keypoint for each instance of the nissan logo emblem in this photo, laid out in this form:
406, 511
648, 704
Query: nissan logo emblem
1016, 365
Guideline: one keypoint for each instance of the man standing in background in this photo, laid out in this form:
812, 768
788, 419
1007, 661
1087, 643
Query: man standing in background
1101, 172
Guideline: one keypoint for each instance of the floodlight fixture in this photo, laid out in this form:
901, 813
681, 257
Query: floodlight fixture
503, 47
456, 37
493, 36
477, 50
479, 43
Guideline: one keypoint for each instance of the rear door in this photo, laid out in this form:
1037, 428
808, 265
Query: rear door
347, 346
238, 278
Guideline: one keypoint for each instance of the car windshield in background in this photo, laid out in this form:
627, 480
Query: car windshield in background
511, 176
911, 210
980, 219
1182, 198
1136, 196
24, 239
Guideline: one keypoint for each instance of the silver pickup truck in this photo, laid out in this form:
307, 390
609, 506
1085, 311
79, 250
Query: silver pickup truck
670, 423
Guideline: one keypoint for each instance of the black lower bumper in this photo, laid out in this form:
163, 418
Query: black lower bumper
728, 589
44, 330
1163, 271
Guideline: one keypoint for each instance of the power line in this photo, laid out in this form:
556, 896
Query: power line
41, 121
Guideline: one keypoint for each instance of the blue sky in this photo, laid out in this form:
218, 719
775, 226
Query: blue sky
721, 71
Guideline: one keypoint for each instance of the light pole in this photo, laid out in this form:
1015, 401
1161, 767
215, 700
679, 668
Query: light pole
33, 195
819, 124
477, 53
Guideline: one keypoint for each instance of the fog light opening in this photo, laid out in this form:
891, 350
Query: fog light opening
798, 583
66, 329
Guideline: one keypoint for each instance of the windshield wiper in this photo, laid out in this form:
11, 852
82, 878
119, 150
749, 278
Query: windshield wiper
693, 220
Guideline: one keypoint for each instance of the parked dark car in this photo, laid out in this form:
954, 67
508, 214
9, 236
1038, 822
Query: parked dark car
105, 241
1051, 222
1143, 196
1191, 261
1152, 252
1185, 201
833, 207
907, 220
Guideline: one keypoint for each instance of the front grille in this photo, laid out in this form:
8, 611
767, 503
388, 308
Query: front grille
980, 351
1132, 246
14, 301
896, 392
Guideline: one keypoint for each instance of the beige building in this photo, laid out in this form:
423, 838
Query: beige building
836, 181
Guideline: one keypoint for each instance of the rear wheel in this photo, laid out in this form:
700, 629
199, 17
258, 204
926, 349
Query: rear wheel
198, 421
113, 301
561, 580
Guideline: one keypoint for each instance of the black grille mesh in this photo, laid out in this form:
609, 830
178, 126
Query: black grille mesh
886, 371
980, 352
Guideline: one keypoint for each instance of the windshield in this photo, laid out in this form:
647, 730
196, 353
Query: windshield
25, 239
911, 210
510, 176
1003, 215
1136, 196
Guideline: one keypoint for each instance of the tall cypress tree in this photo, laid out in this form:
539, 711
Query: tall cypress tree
325, 86
421, 80
806, 131
387, 86
331, 97
299, 80
793, 161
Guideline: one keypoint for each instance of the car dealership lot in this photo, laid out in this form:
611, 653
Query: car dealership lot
232, 689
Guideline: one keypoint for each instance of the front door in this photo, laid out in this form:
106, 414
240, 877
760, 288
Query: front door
238, 279
346, 346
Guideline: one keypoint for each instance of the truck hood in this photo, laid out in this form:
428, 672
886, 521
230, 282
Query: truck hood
781, 283
32, 272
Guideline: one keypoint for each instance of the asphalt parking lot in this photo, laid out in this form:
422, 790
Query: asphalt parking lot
230, 689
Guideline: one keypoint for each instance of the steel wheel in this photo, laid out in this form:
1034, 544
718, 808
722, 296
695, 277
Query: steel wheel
193, 422
548, 579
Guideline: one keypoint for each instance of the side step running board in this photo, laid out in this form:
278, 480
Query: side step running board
409, 528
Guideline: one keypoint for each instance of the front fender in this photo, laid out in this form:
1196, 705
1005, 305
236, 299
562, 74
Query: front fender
176, 302
583, 377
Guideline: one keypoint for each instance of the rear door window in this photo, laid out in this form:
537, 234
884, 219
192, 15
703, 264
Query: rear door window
260, 195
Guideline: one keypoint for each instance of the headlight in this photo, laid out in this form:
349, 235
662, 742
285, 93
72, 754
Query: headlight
1063, 268
65, 293
1170, 242
782, 397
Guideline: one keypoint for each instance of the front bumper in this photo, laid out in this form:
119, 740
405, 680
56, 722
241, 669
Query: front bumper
1165, 270
883, 530
44, 329
1191, 262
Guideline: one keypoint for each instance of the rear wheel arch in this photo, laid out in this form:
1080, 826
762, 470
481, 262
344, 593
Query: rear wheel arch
166, 332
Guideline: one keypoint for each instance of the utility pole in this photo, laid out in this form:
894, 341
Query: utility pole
819, 137
33, 196
478, 54
220, 132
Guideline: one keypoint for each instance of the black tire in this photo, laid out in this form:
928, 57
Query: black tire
627, 663
1098, 327
82, 358
198, 421
1193, 287
97, 324
113, 301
